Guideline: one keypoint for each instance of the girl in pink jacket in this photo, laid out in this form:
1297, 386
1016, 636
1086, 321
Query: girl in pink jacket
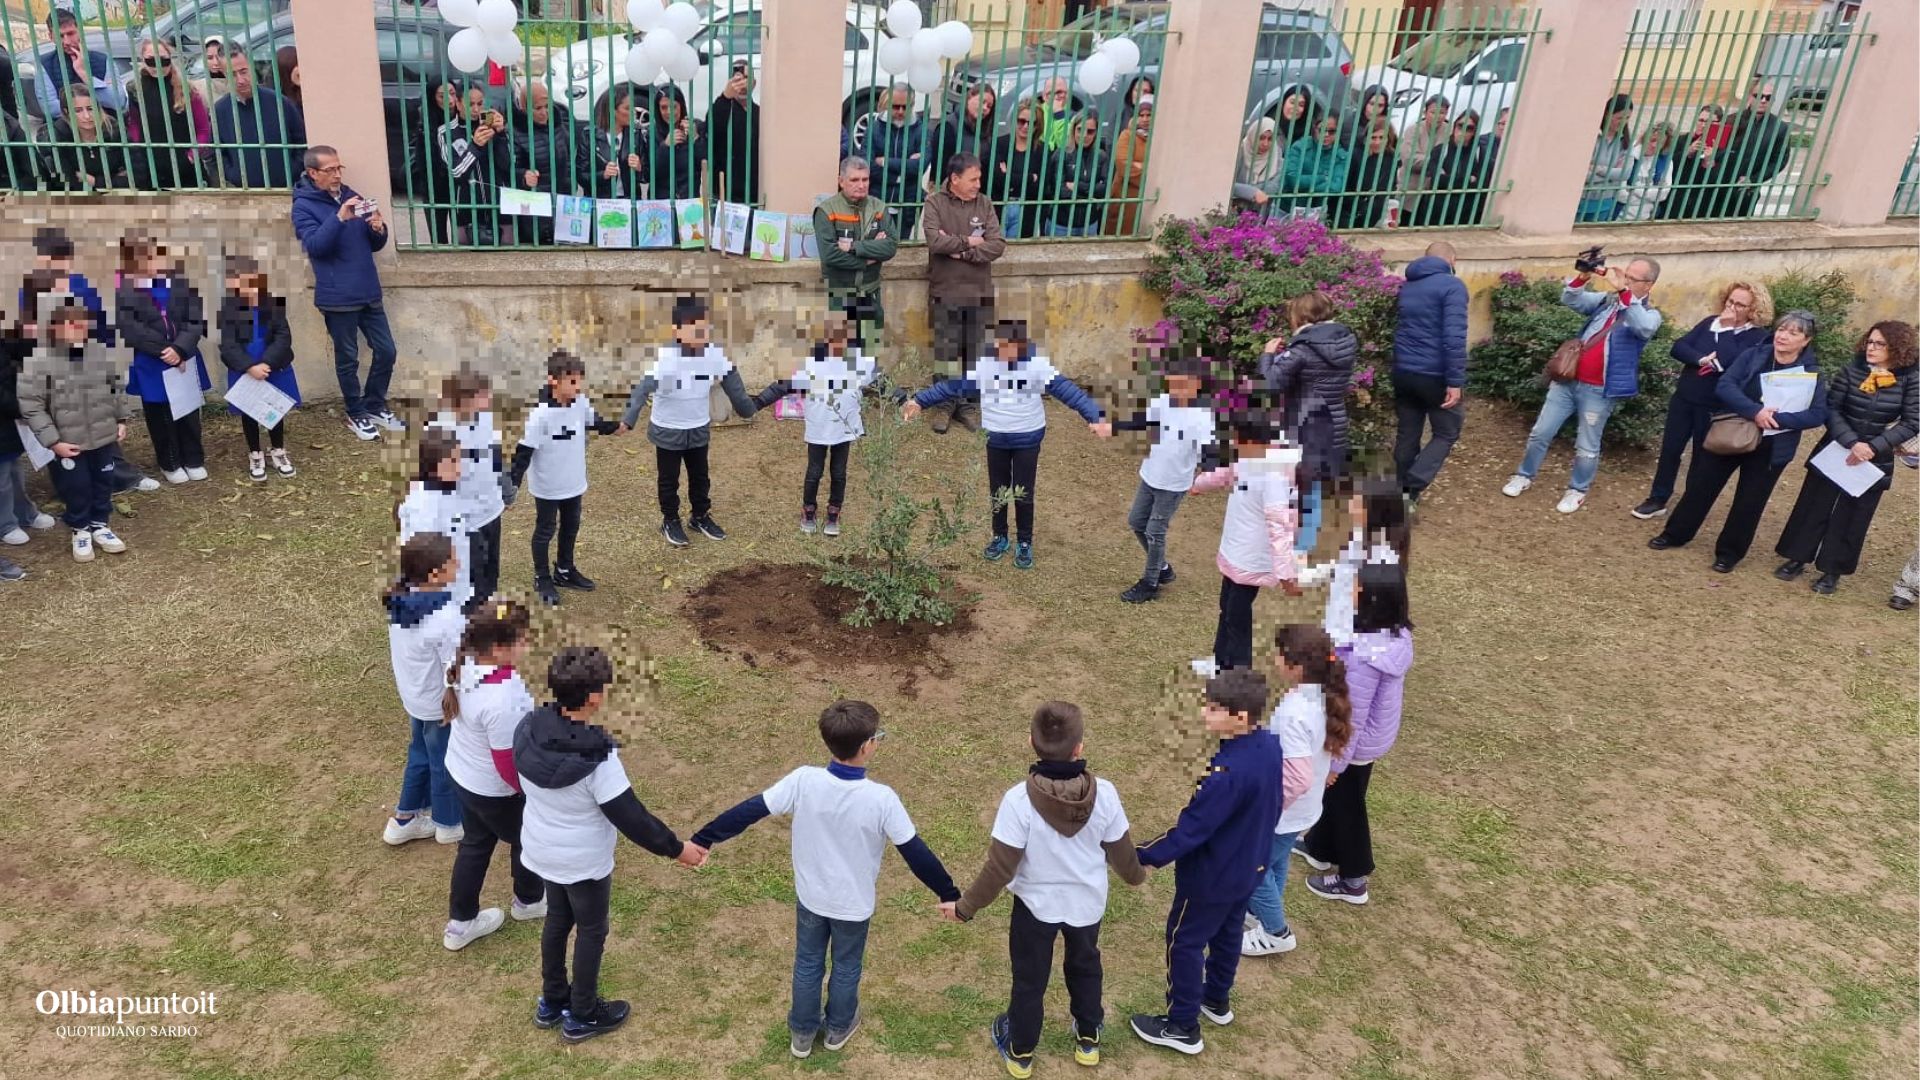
1256, 540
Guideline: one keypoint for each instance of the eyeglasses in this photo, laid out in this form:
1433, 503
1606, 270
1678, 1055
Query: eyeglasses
1763, 97
331, 170
1738, 306
1872, 344
899, 108
1633, 280
1469, 127
157, 61
1022, 122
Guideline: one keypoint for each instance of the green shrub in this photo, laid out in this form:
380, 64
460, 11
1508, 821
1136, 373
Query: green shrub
1830, 297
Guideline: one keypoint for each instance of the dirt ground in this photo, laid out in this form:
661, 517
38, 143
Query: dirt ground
1644, 820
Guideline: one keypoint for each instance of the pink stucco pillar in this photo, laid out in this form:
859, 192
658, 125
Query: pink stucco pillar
1198, 105
1874, 124
800, 66
340, 86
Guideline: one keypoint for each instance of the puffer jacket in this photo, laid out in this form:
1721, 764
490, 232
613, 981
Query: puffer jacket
1376, 685
1431, 335
1311, 376
1885, 418
1635, 326
73, 395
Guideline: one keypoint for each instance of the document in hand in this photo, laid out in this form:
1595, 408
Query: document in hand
1853, 477
1787, 391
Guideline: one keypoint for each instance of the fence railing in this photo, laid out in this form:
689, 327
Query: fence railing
1730, 122
1906, 194
1413, 142
146, 98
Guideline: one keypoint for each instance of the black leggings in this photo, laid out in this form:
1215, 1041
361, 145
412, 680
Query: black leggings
483, 549
578, 906
546, 514
817, 462
1342, 836
176, 443
251, 428
1017, 469
488, 820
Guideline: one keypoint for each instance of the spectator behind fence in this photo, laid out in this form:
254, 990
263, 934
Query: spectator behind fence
168, 116
551, 154
675, 150
1696, 168
426, 178
1416, 146
1620, 322
340, 241
261, 134
1142, 86
1296, 117
1085, 168
969, 131
1873, 407
894, 145
856, 238
21, 163
1375, 104
1490, 142
1649, 176
216, 84
963, 240
1022, 174
1129, 170
89, 153
70, 66
733, 129
1715, 342
286, 60
1429, 366
1257, 174
618, 169
478, 158
1612, 157
1316, 171
1757, 150
1454, 169
1371, 175
1056, 113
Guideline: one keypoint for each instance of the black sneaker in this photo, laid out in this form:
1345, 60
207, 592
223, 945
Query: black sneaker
1650, 509
1219, 1012
545, 1015
1140, 592
11, 571
604, 1017
709, 528
543, 588
1161, 1031
1166, 574
1790, 570
1723, 566
670, 528
1826, 584
1660, 542
572, 578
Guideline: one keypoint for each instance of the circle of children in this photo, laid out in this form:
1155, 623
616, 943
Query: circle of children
1299, 733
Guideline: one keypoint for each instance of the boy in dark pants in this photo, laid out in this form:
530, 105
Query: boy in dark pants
1220, 848
577, 796
73, 401
1053, 839
681, 384
554, 448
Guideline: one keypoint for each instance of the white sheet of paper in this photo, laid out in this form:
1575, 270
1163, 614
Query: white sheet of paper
260, 399
1854, 479
1788, 391
37, 456
520, 203
183, 388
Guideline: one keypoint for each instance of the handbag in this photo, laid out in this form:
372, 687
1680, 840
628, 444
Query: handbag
1731, 435
1565, 363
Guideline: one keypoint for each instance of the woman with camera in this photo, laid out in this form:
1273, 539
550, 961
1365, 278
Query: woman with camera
1767, 439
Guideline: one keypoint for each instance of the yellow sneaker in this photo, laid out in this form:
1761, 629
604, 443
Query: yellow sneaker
1019, 1066
1086, 1048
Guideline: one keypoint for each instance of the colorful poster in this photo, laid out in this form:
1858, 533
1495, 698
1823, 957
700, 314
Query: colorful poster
653, 223
690, 220
730, 222
801, 242
613, 218
769, 236
517, 203
573, 220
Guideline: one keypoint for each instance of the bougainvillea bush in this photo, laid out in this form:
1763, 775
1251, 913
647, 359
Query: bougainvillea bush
1225, 283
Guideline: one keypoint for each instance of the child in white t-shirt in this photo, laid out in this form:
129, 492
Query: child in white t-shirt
842, 824
466, 410
1183, 429
433, 505
1256, 539
1053, 839
423, 631
578, 801
552, 459
1313, 722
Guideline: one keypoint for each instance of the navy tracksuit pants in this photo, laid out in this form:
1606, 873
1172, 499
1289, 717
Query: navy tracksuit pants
1203, 953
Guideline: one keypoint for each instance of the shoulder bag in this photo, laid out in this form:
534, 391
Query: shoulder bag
1731, 435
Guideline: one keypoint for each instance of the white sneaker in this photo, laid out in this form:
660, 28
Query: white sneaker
1257, 942
386, 419
105, 540
529, 912
1204, 667
256, 465
478, 927
42, 522
452, 835
82, 546
281, 463
1310, 860
196, 473
147, 483
175, 476
362, 428
1571, 501
1516, 486
417, 827
15, 536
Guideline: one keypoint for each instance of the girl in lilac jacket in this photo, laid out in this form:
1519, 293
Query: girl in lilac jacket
1341, 842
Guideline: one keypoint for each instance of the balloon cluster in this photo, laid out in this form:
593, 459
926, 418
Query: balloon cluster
916, 50
1108, 61
486, 33
664, 45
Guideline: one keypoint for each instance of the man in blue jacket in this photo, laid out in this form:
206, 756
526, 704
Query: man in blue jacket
260, 132
340, 230
1429, 366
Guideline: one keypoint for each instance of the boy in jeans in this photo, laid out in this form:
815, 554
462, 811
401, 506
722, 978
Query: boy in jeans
1220, 848
1053, 839
842, 822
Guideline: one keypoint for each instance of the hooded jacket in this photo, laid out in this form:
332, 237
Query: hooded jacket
1638, 321
553, 752
1066, 804
1311, 375
423, 633
1430, 337
956, 273
344, 276
1315, 170
1376, 684
73, 395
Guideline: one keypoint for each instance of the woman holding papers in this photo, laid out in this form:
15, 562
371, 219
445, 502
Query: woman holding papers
1774, 385
1873, 405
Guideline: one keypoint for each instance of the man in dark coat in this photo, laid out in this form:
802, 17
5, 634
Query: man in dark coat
340, 231
261, 134
1429, 366
733, 133
1757, 150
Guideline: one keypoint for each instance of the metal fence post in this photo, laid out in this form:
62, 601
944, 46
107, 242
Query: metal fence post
1872, 130
1203, 82
340, 84
801, 63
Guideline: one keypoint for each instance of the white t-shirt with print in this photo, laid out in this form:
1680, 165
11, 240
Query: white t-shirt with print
490, 712
1012, 396
420, 654
1300, 722
558, 435
841, 828
683, 386
1061, 879
1341, 598
833, 385
430, 510
1183, 431
564, 836
479, 487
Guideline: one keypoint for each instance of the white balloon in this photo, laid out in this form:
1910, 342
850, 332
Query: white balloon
467, 50
903, 18
684, 65
1124, 54
682, 19
644, 15
640, 70
661, 45
926, 47
497, 16
925, 78
956, 40
896, 55
504, 49
1096, 74
460, 12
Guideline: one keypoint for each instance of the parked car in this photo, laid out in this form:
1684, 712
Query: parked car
1804, 66
1295, 48
187, 26
1472, 69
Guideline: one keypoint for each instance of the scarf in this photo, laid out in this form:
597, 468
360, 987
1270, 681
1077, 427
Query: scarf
1260, 168
1877, 378
1058, 770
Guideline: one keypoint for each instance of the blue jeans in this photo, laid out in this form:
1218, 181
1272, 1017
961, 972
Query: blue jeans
16, 510
345, 328
1309, 532
812, 936
1592, 408
426, 781
1010, 216
1265, 904
1070, 230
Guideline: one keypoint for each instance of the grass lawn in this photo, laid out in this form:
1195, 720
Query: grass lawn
1644, 820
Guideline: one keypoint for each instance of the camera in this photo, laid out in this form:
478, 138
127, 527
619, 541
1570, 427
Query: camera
1591, 261
365, 207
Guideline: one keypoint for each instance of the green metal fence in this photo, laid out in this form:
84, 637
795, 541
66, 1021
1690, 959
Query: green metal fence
146, 98
1719, 116
1906, 195
1381, 119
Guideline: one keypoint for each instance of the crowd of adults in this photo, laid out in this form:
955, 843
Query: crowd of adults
1718, 171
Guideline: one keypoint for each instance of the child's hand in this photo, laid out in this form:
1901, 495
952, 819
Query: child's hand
911, 410
171, 356
1291, 588
258, 371
120, 431
1331, 777
1102, 428
69, 450
692, 856
1274, 345
948, 911
622, 429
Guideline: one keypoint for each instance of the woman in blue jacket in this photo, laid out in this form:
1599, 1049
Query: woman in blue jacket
1739, 390
1744, 321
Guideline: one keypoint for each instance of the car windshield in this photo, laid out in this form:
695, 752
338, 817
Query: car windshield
1441, 55
1078, 37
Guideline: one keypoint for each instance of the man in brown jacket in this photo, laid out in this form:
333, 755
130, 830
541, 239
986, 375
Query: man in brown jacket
963, 240
1053, 840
